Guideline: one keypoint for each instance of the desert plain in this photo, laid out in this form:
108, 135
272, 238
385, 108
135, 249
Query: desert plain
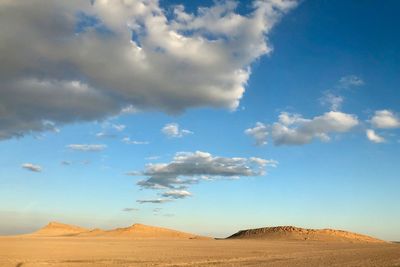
140, 245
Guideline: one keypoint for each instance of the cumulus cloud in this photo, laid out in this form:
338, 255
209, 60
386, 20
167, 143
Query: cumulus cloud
81, 60
374, 137
350, 81
173, 130
189, 168
128, 141
259, 132
31, 167
293, 129
385, 119
87, 147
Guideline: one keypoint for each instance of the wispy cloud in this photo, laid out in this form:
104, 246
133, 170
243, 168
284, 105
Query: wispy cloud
134, 173
157, 210
119, 127
153, 201
32, 167
66, 163
333, 97
110, 130
333, 101
152, 158
128, 141
176, 194
350, 81
87, 147
173, 130
105, 135
130, 209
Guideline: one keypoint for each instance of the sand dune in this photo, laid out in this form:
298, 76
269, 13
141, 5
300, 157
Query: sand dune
141, 231
59, 229
133, 231
288, 233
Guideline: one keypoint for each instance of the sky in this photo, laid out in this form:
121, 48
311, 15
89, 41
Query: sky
203, 116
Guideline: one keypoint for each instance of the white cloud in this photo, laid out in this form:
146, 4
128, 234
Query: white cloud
350, 81
385, 119
87, 147
293, 129
173, 130
128, 141
333, 101
374, 137
130, 109
188, 168
32, 167
133, 57
110, 130
259, 132
176, 194
105, 135
119, 127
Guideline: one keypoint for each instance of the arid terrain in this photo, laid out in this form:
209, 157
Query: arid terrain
140, 245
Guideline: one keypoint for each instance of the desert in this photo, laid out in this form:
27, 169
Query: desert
59, 244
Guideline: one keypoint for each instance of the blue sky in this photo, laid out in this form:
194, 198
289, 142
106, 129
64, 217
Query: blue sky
313, 141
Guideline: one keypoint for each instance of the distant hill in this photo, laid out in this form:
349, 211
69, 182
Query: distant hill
133, 231
288, 233
59, 229
145, 231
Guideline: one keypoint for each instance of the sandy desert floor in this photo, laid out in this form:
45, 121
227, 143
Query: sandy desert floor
79, 251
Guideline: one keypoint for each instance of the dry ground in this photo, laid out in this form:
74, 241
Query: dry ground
82, 251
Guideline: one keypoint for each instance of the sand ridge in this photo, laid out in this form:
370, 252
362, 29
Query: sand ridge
134, 231
143, 231
59, 229
297, 233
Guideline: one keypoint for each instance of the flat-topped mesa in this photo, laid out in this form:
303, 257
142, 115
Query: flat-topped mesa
297, 234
